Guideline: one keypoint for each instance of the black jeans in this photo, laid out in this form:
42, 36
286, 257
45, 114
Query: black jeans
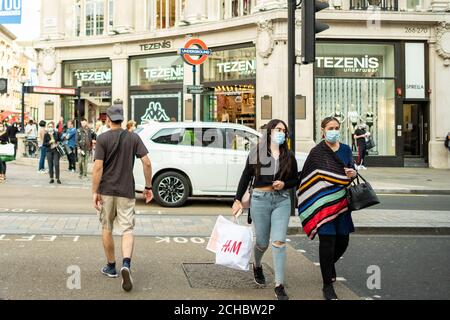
362, 150
331, 249
53, 163
72, 160
2, 167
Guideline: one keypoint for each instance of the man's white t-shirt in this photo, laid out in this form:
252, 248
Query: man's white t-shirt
31, 131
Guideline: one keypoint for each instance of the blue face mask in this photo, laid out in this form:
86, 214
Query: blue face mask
332, 136
279, 138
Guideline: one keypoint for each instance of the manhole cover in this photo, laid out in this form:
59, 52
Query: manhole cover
212, 276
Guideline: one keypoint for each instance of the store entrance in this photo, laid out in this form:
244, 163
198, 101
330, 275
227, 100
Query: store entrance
415, 132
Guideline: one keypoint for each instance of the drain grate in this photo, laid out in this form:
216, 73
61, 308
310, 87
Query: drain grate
212, 276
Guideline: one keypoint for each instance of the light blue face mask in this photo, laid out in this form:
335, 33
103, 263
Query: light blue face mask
279, 138
332, 136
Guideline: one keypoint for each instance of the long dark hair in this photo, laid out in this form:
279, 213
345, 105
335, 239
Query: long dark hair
263, 149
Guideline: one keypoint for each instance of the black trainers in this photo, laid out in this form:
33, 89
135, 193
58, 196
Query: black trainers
52, 181
109, 271
127, 281
58, 181
329, 293
259, 275
280, 293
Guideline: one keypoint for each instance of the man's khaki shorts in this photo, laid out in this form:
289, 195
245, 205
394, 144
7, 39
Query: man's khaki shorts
119, 210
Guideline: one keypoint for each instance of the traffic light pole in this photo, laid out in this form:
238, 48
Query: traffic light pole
291, 71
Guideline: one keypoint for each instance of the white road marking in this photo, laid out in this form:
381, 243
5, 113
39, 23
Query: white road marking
340, 279
317, 264
300, 250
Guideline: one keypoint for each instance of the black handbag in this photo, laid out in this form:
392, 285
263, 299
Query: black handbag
361, 195
370, 144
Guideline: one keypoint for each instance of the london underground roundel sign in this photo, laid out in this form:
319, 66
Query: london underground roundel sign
195, 47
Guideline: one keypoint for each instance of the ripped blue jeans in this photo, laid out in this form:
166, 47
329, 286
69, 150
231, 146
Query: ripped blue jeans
270, 212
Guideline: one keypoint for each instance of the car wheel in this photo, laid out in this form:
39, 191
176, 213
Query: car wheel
171, 189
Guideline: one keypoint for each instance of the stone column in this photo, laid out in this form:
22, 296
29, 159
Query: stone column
120, 72
195, 11
52, 22
124, 16
439, 111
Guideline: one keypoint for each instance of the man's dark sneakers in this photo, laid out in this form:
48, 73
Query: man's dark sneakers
58, 181
280, 293
259, 275
329, 293
52, 181
127, 281
110, 271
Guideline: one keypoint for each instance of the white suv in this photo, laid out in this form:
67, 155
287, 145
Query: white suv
195, 159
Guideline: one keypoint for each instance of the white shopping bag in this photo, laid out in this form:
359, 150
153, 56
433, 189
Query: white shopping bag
233, 244
7, 149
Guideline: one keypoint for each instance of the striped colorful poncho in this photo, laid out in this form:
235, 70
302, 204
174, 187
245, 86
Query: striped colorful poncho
322, 194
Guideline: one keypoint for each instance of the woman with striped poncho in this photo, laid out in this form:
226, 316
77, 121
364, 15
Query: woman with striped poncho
322, 198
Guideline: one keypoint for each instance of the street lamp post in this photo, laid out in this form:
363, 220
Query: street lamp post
22, 122
78, 113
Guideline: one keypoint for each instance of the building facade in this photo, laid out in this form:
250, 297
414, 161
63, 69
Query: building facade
18, 67
384, 62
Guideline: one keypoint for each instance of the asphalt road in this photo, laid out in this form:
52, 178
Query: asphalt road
77, 199
410, 267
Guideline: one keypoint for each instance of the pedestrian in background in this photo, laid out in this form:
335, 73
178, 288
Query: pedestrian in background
131, 126
42, 148
31, 136
323, 205
84, 144
4, 139
13, 130
51, 139
70, 139
271, 168
360, 137
113, 189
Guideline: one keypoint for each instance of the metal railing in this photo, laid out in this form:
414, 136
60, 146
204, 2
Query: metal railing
383, 5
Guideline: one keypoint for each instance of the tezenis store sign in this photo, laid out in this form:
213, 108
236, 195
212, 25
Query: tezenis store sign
363, 65
96, 77
174, 73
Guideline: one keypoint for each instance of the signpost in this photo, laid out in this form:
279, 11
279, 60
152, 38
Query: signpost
195, 47
198, 89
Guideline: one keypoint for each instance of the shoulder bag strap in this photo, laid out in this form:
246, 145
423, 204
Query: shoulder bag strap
113, 154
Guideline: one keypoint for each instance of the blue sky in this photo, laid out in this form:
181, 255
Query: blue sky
29, 29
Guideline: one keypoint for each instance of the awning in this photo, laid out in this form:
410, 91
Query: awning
11, 117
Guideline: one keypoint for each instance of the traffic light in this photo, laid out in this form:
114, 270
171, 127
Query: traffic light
310, 27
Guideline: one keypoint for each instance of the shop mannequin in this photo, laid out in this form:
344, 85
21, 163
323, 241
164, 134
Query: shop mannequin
338, 114
225, 117
370, 118
353, 117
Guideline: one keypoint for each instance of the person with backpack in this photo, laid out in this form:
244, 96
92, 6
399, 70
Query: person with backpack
113, 189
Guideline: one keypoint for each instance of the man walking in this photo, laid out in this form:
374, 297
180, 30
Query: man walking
113, 189
84, 144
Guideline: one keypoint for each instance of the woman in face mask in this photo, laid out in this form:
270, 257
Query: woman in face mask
51, 139
271, 169
322, 198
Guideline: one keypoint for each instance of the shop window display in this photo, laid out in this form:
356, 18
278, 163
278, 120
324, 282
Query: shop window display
232, 104
357, 88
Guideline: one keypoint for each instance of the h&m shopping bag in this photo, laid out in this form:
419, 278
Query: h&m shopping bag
7, 149
232, 244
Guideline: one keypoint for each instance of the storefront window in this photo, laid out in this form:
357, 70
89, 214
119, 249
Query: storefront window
357, 86
413, 5
231, 74
91, 74
235, 64
233, 104
156, 70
